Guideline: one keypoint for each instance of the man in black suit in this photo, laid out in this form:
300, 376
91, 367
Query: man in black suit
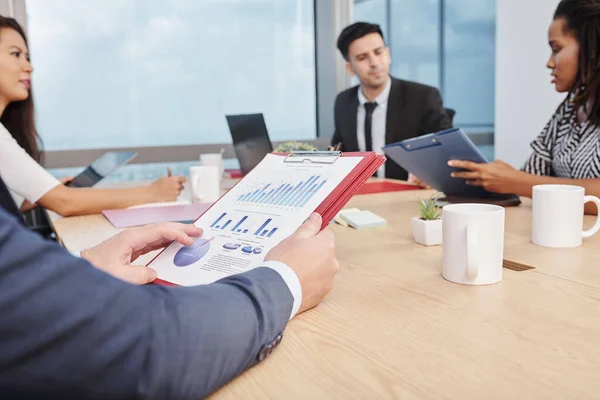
382, 109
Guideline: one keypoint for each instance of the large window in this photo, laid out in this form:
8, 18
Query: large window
413, 38
469, 61
124, 73
448, 44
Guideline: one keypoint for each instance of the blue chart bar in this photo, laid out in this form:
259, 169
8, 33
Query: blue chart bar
260, 194
252, 196
291, 194
286, 194
263, 226
311, 194
271, 197
226, 224
272, 232
235, 228
245, 230
264, 232
218, 220
301, 191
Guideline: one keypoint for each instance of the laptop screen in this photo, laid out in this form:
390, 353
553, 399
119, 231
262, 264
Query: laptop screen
102, 167
250, 139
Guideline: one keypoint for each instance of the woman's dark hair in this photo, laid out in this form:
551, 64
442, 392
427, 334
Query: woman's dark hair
18, 117
582, 19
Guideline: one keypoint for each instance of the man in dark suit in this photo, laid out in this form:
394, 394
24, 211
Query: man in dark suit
71, 331
382, 109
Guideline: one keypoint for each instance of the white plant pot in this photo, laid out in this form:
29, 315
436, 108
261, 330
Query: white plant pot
428, 233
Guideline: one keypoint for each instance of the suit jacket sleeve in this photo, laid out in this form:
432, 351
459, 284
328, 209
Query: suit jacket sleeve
337, 136
71, 331
435, 118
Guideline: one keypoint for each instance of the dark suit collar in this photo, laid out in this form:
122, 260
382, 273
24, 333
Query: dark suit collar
394, 109
396, 90
353, 112
7, 202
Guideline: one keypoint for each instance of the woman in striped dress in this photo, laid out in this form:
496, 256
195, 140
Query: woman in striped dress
568, 149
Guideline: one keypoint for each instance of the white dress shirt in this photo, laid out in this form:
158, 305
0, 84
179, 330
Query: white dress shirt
378, 122
291, 280
24, 177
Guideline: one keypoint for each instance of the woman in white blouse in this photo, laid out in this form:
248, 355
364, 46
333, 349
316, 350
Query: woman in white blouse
28, 181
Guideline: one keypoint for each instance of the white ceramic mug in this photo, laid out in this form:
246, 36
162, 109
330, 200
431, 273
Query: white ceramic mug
557, 216
473, 243
206, 183
215, 159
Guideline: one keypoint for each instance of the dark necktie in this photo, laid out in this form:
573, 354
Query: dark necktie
369, 108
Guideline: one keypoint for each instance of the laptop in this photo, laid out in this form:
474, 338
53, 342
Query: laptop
250, 139
102, 167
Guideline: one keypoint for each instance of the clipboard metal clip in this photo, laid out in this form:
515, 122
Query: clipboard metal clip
313, 157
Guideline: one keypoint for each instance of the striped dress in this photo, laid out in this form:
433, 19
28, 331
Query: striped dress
566, 149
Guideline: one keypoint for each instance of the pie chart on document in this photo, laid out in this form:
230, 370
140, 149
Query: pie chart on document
188, 255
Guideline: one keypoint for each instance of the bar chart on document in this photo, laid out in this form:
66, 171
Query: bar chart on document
265, 207
261, 226
261, 206
293, 195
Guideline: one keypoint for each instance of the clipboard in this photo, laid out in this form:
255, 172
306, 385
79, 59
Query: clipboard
427, 157
337, 199
334, 201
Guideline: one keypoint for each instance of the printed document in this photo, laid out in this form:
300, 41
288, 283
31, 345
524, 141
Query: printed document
267, 206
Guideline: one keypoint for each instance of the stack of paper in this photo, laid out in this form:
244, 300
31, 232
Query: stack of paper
359, 219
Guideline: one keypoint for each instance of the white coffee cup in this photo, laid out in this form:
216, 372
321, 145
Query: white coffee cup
557, 216
215, 159
473, 243
206, 183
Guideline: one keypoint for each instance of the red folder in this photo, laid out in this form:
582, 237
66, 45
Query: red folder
339, 197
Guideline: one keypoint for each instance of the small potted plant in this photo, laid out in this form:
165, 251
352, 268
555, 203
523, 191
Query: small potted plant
427, 228
293, 146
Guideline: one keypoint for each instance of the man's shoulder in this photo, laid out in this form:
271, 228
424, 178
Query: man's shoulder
347, 94
414, 87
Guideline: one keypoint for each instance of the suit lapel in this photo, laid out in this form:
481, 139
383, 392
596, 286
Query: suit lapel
352, 139
7, 202
394, 109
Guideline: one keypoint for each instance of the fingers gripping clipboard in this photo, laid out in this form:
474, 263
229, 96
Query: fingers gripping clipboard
427, 158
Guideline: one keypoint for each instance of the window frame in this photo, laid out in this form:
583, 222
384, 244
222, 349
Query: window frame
330, 16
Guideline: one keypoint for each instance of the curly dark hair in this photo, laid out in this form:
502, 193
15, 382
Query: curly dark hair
582, 19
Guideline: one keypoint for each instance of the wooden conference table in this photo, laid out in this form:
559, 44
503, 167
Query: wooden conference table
394, 328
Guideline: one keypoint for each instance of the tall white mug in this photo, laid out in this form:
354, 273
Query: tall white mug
473, 243
557, 216
206, 183
215, 159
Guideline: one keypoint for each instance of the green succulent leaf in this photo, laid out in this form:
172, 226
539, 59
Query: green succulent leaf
428, 209
293, 146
